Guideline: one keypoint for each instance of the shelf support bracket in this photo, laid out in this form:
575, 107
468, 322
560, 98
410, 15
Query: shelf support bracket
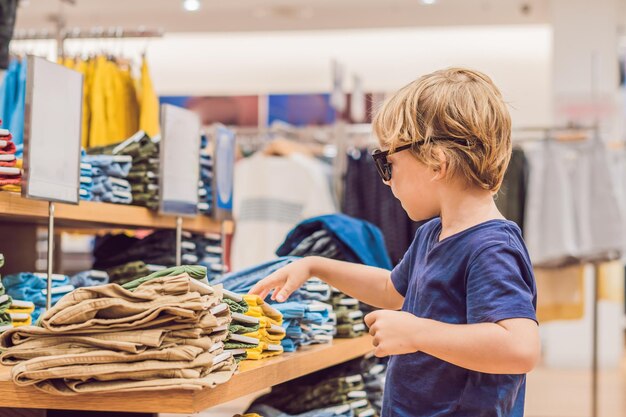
179, 241
50, 254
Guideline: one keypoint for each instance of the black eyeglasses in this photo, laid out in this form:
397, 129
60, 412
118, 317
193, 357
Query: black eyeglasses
382, 165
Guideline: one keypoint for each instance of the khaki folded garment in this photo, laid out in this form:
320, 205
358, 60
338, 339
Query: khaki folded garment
164, 333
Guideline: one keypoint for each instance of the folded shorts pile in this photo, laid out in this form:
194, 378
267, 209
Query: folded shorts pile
109, 179
256, 333
160, 332
10, 165
317, 394
33, 288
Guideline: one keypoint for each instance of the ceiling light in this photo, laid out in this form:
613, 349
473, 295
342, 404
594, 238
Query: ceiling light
191, 5
428, 2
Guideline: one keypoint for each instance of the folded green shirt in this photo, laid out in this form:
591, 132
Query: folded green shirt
236, 307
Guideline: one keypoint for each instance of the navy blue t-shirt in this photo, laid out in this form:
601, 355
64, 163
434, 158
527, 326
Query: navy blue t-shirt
480, 275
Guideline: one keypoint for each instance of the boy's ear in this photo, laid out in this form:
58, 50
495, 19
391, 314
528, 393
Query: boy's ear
441, 171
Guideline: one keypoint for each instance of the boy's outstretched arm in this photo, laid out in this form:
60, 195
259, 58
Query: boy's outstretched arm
508, 347
368, 284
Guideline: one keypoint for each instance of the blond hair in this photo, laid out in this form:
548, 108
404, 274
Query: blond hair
457, 111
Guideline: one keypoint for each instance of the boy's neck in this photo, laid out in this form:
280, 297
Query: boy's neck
465, 208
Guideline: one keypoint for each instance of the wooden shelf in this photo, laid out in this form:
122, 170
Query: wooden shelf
252, 376
15, 208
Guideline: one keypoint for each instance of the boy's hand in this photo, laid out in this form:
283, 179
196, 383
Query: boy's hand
285, 281
394, 332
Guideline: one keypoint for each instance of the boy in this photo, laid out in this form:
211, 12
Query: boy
466, 333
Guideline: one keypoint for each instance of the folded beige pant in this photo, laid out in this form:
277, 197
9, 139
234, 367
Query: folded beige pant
217, 375
30, 346
108, 307
165, 334
93, 364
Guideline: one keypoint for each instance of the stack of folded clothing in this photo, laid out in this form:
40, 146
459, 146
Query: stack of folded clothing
210, 251
161, 332
258, 331
130, 271
321, 393
32, 287
264, 410
350, 323
205, 186
158, 248
90, 278
13, 313
109, 178
5, 304
144, 175
86, 180
307, 321
241, 324
10, 166
21, 313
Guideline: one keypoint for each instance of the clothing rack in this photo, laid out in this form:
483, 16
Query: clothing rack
577, 135
548, 133
61, 34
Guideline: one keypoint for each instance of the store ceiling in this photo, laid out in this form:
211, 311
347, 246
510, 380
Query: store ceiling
261, 15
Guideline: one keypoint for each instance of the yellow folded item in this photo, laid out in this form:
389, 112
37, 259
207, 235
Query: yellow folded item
18, 306
267, 336
266, 321
12, 188
257, 353
253, 300
19, 323
254, 311
257, 304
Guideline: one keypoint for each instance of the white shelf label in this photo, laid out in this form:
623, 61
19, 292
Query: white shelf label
180, 161
52, 131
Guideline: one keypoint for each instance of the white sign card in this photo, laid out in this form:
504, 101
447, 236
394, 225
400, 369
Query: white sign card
52, 131
180, 161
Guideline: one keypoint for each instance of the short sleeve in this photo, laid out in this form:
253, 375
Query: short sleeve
401, 274
500, 285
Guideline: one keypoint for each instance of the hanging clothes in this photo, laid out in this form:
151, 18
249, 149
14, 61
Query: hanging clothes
17, 118
8, 11
573, 212
148, 102
511, 199
13, 95
110, 103
272, 195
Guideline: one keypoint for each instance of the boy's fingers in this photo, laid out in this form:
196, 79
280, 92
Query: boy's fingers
379, 352
284, 293
370, 318
275, 292
263, 294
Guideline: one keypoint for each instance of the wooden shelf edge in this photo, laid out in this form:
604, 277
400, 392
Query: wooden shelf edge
16, 208
252, 377
255, 376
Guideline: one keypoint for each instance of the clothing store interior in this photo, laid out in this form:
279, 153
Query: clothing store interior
214, 148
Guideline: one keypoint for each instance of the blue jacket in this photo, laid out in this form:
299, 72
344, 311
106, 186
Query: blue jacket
362, 242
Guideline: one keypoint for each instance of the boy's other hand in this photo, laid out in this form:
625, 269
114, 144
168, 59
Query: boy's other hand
394, 332
285, 281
